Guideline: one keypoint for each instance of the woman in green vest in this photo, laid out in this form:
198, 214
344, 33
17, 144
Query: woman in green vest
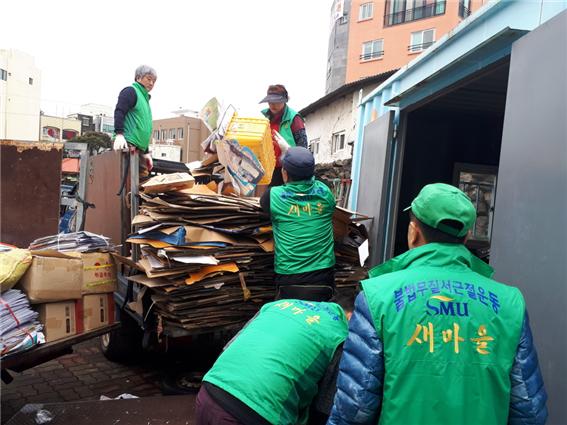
284, 120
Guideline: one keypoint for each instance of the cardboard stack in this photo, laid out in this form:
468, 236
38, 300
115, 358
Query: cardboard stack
351, 248
71, 291
207, 259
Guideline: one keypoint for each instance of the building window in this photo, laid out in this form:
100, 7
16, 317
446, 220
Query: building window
156, 134
69, 134
30, 80
85, 122
180, 133
464, 8
338, 142
343, 19
50, 133
172, 133
3, 75
421, 40
164, 135
401, 11
372, 50
366, 11
314, 146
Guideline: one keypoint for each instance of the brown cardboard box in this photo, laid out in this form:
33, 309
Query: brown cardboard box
60, 319
99, 272
52, 276
98, 310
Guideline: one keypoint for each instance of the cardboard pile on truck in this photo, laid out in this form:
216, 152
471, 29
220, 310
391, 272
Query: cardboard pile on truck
207, 258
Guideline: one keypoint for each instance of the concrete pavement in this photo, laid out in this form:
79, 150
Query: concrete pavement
84, 375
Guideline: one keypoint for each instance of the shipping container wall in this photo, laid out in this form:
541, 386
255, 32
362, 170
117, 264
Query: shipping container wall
530, 222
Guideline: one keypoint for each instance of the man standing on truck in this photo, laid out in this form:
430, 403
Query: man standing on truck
269, 373
133, 115
433, 339
284, 120
302, 219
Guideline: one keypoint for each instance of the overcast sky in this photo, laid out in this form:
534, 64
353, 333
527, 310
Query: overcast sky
88, 50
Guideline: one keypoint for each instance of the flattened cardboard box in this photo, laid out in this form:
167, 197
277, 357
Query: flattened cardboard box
60, 319
99, 272
52, 276
98, 311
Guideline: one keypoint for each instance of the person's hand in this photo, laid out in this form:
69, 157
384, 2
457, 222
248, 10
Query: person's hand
149, 161
282, 143
120, 143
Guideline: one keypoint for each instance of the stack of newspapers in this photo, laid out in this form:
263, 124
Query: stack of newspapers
76, 241
19, 328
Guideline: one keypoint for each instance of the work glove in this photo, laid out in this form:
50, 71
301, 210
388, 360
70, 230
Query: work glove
282, 143
149, 161
120, 143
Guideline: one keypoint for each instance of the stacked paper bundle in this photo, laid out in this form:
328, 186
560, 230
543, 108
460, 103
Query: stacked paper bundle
206, 258
19, 328
77, 241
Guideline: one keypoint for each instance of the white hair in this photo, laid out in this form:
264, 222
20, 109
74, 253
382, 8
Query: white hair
144, 70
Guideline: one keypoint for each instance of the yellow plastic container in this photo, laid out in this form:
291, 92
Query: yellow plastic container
257, 135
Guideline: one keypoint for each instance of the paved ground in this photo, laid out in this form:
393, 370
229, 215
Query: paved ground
83, 375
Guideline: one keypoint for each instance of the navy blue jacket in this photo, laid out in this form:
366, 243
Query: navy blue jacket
361, 376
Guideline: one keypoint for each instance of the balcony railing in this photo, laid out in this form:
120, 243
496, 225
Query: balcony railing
373, 55
434, 9
420, 47
464, 11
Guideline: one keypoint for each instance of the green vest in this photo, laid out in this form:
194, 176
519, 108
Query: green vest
138, 120
302, 222
285, 125
275, 363
450, 334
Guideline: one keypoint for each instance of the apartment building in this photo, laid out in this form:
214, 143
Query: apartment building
20, 90
372, 37
368, 42
184, 131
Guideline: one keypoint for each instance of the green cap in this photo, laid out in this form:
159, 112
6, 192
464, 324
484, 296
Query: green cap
438, 202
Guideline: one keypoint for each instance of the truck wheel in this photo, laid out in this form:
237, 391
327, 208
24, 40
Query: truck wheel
179, 383
122, 345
